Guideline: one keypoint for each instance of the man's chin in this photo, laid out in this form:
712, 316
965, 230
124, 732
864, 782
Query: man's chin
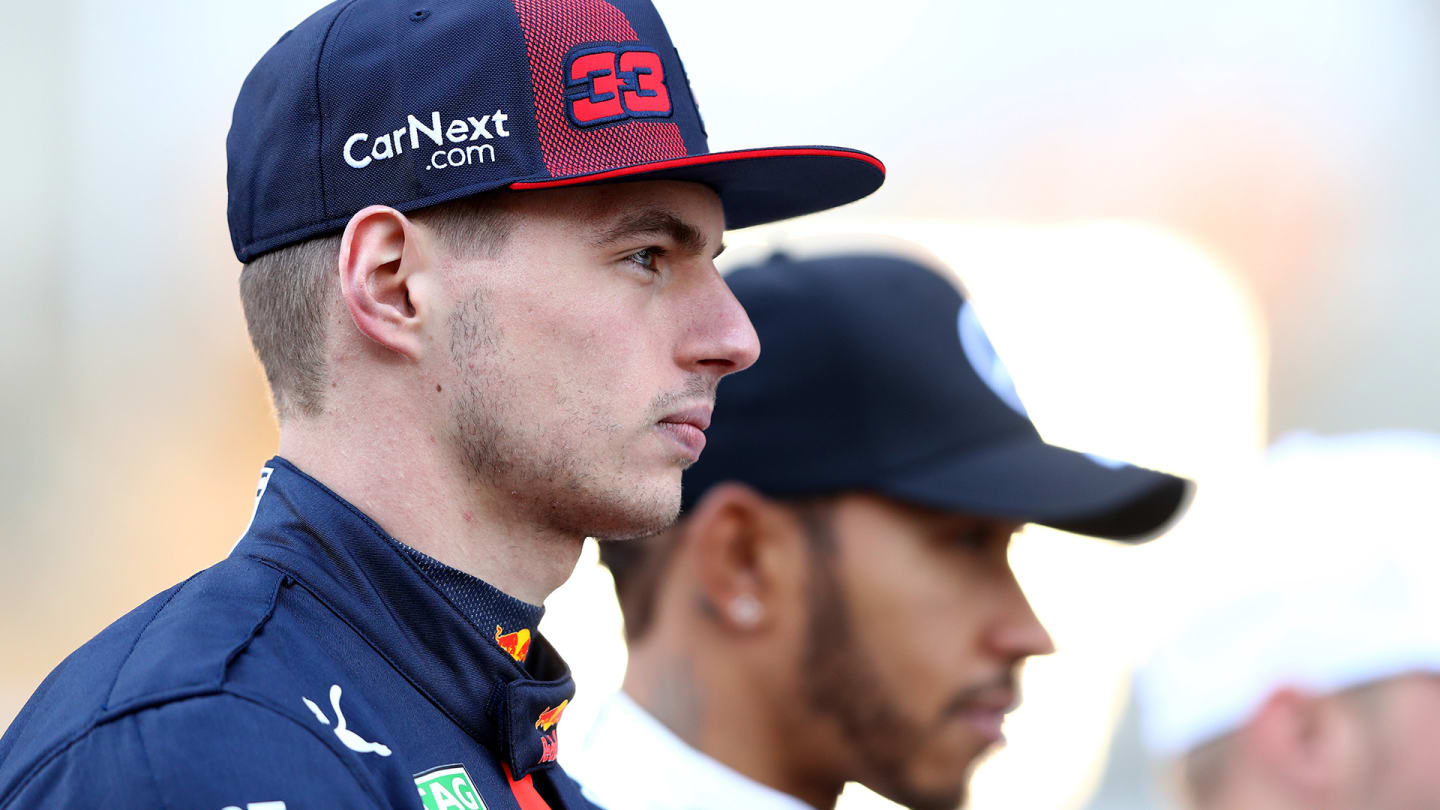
629, 518
934, 785
917, 799
633, 532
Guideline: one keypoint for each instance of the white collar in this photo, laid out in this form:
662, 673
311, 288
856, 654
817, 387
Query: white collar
631, 761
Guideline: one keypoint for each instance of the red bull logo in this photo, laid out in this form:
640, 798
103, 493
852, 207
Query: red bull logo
516, 644
550, 746
550, 717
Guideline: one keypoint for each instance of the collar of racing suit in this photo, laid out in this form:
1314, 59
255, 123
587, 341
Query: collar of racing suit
472, 650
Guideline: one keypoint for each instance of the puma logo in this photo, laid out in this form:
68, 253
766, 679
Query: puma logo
352, 740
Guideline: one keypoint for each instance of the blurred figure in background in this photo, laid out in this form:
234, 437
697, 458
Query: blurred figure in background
837, 604
1316, 684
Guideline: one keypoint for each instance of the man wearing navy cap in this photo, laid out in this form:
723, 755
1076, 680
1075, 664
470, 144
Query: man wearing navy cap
482, 347
836, 603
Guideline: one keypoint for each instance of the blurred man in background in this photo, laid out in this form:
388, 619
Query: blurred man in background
1314, 683
837, 603
480, 353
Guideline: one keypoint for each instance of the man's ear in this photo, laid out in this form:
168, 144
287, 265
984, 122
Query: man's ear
1302, 739
383, 265
749, 562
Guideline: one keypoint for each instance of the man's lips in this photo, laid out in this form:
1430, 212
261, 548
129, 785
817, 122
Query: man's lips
687, 429
985, 713
986, 724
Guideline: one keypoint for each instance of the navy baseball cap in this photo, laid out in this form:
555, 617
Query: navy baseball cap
410, 104
876, 376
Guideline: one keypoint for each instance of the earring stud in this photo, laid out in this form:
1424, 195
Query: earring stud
745, 609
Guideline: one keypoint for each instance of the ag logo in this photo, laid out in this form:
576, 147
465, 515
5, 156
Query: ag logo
448, 787
607, 82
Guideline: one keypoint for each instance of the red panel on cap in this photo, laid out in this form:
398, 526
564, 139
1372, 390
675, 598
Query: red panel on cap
552, 28
703, 160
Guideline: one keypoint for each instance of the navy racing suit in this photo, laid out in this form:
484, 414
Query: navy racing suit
323, 664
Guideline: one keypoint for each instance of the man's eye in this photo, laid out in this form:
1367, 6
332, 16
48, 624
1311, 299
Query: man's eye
647, 258
973, 539
982, 540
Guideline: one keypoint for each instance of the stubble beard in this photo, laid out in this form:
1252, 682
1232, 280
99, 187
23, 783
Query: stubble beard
546, 476
840, 682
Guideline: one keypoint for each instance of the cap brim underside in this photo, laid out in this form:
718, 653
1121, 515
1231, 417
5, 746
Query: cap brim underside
1034, 482
757, 186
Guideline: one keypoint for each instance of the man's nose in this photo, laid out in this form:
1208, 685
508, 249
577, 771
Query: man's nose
720, 339
1018, 632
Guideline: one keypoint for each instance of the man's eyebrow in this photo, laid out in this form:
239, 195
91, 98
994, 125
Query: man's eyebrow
656, 221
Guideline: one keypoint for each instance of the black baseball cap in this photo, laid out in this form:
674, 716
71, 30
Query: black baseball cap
414, 104
875, 375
